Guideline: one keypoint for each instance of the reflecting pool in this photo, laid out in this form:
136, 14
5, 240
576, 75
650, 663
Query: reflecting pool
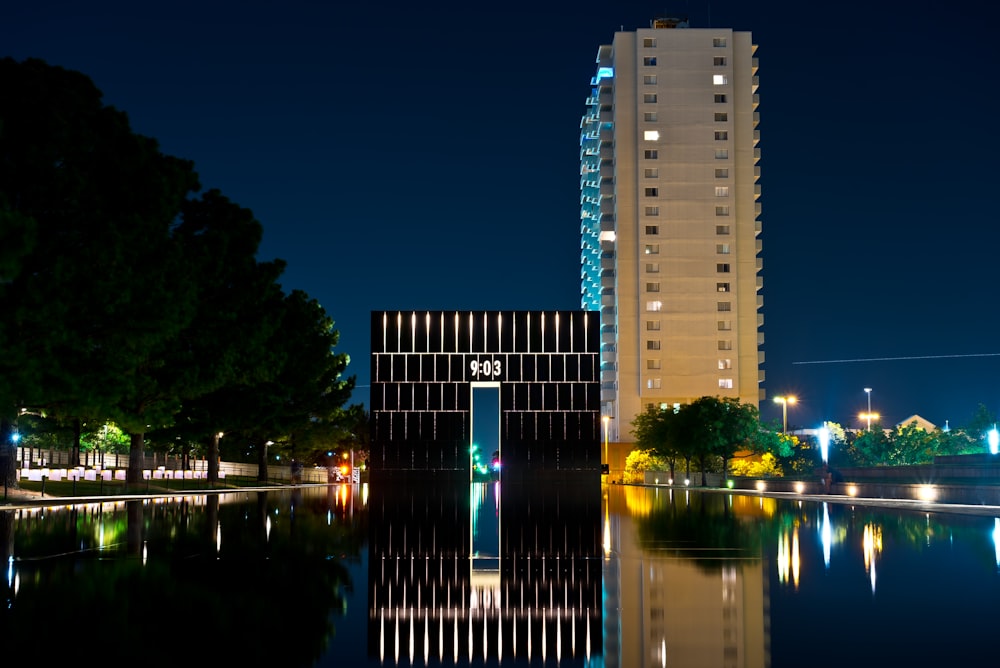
489, 574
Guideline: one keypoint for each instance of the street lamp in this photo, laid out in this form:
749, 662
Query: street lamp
784, 401
868, 391
869, 416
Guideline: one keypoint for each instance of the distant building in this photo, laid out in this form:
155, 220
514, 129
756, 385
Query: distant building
670, 218
917, 421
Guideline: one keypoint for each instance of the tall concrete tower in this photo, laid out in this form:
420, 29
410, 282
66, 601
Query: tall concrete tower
670, 218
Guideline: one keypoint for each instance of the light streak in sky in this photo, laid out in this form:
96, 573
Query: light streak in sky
893, 359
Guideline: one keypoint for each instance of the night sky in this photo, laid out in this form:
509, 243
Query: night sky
426, 156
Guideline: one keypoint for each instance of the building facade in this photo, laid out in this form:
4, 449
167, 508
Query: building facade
453, 391
670, 218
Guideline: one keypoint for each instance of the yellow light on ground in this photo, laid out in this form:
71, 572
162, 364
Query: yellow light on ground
927, 493
800, 487
852, 490
761, 486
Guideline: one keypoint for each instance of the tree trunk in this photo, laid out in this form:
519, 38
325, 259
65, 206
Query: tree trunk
74, 456
213, 459
136, 458
8, 455
262, 462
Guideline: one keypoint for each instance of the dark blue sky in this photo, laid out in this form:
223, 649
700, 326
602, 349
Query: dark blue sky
423, 155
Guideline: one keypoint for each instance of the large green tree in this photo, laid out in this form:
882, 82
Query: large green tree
228, 341
723, 426
97, 291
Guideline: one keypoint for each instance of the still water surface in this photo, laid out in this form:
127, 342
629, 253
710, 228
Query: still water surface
484, 575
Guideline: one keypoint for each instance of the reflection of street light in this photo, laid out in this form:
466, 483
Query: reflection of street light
869, 416
993, 438
868, 391
784, 401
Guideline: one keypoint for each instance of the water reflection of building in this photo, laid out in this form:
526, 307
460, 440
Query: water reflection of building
699, 605
444, 588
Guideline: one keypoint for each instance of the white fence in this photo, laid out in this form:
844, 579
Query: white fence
109, 466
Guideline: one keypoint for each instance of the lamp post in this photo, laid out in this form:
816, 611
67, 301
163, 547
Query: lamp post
606, 419
868, 391
784, 401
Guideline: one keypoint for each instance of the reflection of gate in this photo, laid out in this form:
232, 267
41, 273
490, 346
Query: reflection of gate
426, 366
437, 595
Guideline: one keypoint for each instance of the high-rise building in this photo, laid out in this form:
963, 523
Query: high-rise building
670, 219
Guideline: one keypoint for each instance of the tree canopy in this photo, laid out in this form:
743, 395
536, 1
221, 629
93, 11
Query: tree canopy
132, 297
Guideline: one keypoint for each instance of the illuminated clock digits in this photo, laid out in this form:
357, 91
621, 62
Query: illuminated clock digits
488, 368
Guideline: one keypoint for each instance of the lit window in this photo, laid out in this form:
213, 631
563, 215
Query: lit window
722, 211
652, 345
725, 364
649, 61
652, 211
725, 325
722, 117
719, 61
722, 135
722, 249
649, 98
649, 79
653, 384
652, 287
719, 41
651, 192
721, 153
721, 99
649, 42
720, 79
649, 117
722, 268
722, 229
651, 172
654, 306
722, 191
652, 325
650, 154
652, 268
652, 249
724, 306
605, 73
654, 364
651, 135
652, 229
722, 287
725, 383
725, 345
722, 173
